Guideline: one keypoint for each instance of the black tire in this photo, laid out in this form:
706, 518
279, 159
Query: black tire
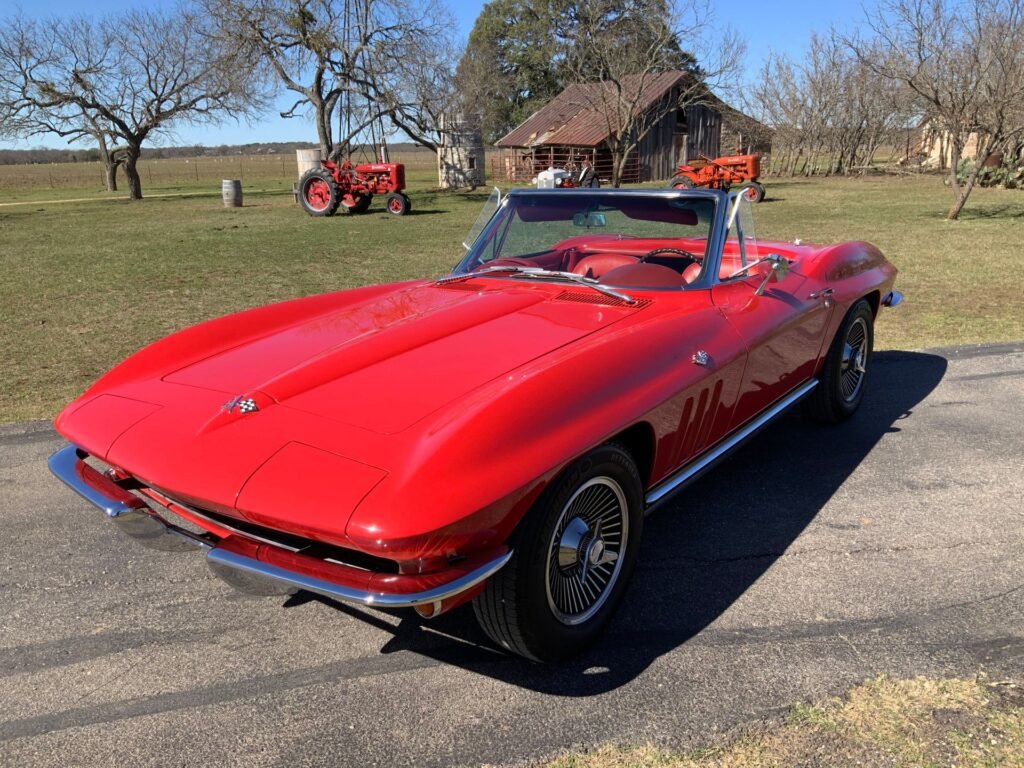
361, 204
681, 182
569, 542
844, 373
754, 192
318, 193
398, 204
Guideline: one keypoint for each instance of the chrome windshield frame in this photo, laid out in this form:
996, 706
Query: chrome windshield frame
716, 231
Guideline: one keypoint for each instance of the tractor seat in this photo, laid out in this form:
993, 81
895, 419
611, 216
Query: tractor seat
598, 264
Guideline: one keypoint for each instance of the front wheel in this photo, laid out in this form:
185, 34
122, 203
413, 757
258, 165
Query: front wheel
681, 182
574, 554
844, 373
398, 204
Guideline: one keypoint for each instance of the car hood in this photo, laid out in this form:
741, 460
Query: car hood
385, 364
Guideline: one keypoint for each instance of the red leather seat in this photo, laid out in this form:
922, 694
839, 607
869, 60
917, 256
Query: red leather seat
598, 264
691, 273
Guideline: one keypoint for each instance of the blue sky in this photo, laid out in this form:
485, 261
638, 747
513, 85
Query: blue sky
783, 26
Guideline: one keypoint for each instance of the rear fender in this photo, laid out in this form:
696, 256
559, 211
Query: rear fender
853, 271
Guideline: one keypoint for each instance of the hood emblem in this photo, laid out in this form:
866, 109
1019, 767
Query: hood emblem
244, 405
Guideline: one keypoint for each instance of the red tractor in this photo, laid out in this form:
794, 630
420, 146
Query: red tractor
722, 173
321, 190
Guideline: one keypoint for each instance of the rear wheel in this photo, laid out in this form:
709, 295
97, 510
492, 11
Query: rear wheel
681, 182
844, 373
574, 554
318, 193
398, 204
754, 192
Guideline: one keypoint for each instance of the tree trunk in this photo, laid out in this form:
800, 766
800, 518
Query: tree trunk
323, 131
131, 172
961, 193
109, 165
618, 161
110, 169
954, 181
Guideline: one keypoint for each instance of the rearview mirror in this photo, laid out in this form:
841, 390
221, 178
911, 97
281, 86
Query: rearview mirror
589, 220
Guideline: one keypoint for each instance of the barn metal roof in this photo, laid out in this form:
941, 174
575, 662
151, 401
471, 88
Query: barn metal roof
575, 117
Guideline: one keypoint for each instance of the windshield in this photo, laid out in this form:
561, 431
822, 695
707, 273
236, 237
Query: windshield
628, 240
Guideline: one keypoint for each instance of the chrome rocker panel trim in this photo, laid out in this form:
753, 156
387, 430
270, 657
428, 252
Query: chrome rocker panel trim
136, 519
704, 462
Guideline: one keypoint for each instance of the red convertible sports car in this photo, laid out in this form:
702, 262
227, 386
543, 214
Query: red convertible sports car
496, 435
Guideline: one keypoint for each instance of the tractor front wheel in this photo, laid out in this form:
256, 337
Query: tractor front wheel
754, 192
318, 193
681, 182
398, 204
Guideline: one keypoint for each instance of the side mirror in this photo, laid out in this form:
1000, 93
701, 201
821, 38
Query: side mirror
778, 269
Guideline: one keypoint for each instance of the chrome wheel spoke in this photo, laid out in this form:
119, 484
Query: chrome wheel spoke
584, 555
853, 365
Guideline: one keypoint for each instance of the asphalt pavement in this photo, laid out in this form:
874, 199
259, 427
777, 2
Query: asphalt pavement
814, 558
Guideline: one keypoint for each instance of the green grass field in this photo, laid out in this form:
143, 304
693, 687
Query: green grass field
63, 181
85, 284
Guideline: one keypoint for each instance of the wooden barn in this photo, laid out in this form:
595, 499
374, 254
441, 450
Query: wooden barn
572, 127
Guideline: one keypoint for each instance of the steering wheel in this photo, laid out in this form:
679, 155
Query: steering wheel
670, 251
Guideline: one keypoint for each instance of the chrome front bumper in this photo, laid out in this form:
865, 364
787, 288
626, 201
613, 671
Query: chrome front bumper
263, 568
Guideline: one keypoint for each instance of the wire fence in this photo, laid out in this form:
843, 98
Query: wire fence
176, 172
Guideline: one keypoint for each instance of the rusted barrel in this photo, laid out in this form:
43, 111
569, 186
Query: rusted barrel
307, 159
231, 191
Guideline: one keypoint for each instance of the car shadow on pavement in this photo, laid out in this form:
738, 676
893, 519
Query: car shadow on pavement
703, 549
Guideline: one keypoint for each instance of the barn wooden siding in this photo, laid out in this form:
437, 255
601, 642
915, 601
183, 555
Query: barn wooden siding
673, 141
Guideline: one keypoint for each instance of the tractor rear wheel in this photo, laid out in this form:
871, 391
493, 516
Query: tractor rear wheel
398, 204
754, 192
318, 193
357, 203
681, 182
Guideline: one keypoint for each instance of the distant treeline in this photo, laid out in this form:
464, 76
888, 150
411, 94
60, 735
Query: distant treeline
87, 155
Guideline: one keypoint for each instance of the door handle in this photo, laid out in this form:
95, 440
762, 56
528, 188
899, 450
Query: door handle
824, 293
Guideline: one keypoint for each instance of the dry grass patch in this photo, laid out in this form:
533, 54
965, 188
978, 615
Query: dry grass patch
883, 723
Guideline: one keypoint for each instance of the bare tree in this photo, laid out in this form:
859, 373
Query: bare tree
125, 78
618, 50
21, 54
417, 84
964, 61
830, 111
333, 54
